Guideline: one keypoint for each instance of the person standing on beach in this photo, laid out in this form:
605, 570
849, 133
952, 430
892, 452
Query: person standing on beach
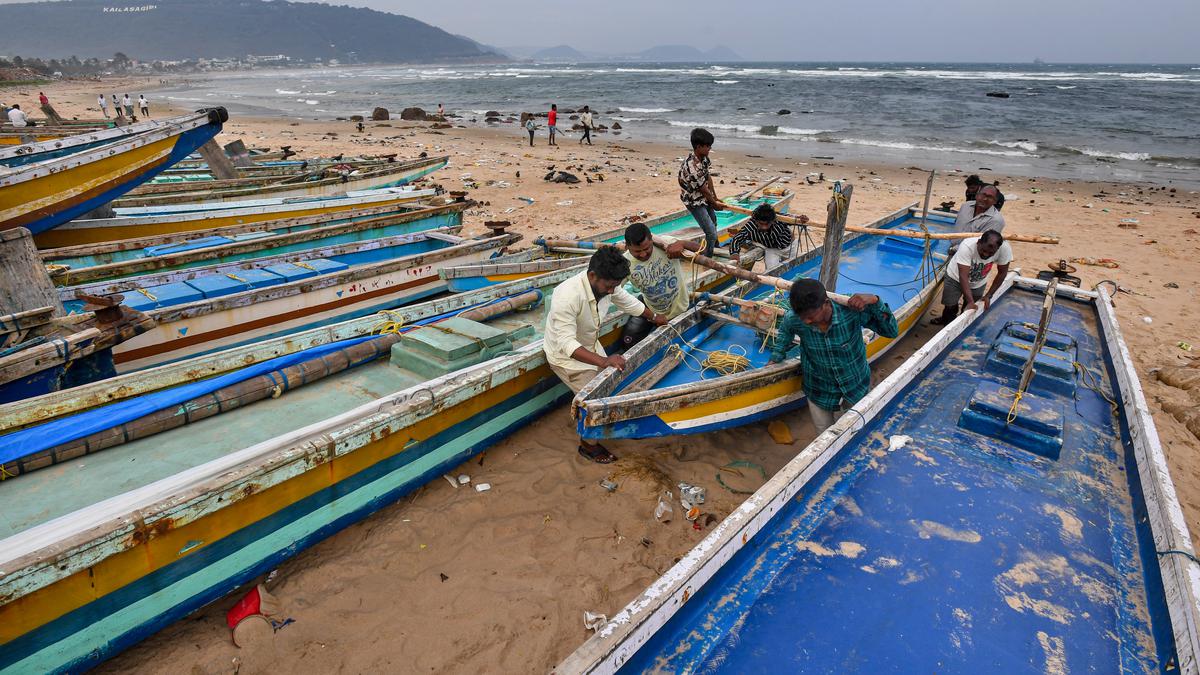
767, 231
531, 127
117, 108
103, 105
696, 188
17, 116
585, 118
144, 105
658, 275
127, 103
833, 355
552, 122
572, 336
967, 274
980, 215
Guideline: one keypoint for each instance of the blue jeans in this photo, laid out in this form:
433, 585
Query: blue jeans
706, 218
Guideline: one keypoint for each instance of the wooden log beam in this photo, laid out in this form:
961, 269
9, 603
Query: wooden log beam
747, 275
24, 282
218, 162
831, 250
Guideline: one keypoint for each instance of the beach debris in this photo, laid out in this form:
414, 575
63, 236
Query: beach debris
693, 514
784, 111
1128, 223
1097, 262
250, 619
594, 622
691, 495
443, 577
735, 468
1185, 346
779, 431
252, 631
898, 441
565, 202
609, 485
483, 487
451, 480
277, 625
380, 115
663, 512
561, 177
463, 479
1147, 320
647, 542
1170, 284
527, 200
997, 94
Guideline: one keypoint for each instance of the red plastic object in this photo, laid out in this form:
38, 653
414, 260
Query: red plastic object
249, 605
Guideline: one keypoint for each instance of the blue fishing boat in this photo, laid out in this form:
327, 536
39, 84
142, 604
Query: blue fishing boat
999, 503
46, 186
668, 389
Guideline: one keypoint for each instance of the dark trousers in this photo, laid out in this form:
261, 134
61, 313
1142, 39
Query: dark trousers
587, 135
706, 218
531, 139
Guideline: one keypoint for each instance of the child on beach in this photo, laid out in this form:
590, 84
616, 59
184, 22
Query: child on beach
696, 188
552, 122
530, 126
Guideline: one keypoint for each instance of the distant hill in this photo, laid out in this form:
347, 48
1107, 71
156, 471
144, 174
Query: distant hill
687, 53
188, 29
559, 53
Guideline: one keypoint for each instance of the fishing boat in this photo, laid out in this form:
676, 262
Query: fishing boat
187, 219
549, 255
127, 547
199, 309
320, 183
668, 389
114, 260
177, 180
947, 525
10, 135
43, 186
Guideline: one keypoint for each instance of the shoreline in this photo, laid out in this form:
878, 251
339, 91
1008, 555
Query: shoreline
523, 561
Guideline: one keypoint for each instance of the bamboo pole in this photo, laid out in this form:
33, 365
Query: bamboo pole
747, 275
762, 187
831, 249
792, 220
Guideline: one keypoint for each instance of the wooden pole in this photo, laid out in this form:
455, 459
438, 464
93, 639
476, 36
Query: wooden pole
908, 234
218, 162
928, 195
747, 275
835, 229
24, 282
762, 187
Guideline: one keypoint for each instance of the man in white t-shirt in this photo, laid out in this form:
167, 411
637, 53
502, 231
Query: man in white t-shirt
658, 275
103, 105
966, 275
17, 117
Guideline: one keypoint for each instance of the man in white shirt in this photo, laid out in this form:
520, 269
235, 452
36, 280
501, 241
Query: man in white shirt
103, 105
572, 337
980, 215
127, 103
966, 275
143, 105
17, 117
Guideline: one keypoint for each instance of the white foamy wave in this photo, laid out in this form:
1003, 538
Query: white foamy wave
286, 92
748, 128
621, 118
901, 145
801, 132
645, 110
1059, 86
725, 81
1131, 156
1027, 146
308, 101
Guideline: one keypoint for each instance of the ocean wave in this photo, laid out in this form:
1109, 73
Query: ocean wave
620, 118
725, 81
1107, 154
902, 145
755, 130
1069, 86
286, 92
748, 128
1028, 146
646, 110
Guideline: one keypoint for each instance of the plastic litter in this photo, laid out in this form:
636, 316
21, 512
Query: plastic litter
609, 485
898, 441
527, 200
463, 479
735, 468
691, 495
780, 432
594, 622
482, 487
451, 480
664, 511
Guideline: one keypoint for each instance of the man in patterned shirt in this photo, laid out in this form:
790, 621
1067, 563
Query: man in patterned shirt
833, 356
696, 188
765, 229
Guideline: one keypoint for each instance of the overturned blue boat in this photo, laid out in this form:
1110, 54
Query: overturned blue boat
1000, 503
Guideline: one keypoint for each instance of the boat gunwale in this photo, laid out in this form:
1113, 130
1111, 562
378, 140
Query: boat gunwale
107, 135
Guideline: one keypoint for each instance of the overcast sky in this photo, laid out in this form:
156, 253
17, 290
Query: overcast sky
1113, 31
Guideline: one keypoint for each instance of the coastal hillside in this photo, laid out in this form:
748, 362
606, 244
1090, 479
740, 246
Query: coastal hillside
185, 29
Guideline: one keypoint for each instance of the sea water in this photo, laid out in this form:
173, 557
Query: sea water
1093, 121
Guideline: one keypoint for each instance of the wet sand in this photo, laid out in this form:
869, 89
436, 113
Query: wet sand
451, 580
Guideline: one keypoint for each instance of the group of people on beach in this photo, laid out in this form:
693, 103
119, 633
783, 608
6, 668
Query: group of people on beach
18, 118
823, 337
124, 107
586, 121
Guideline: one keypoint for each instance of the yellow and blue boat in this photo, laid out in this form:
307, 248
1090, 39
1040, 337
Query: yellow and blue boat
43, 185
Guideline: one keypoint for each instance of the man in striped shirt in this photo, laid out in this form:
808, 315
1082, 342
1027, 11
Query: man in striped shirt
764, 229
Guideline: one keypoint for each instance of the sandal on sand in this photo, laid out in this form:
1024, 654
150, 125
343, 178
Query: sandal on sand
598, 454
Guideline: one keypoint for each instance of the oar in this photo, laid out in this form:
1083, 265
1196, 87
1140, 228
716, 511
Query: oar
747, 275
760, 188
1027, 238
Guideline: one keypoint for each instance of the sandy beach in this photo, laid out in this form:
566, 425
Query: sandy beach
452, 580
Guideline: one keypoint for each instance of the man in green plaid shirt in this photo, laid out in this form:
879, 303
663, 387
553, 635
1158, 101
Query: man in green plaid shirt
833, 356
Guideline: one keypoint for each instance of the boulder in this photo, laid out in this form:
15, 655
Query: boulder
491, 119
616, 126
442, 125
785, 111
577, 127
601, 127
573, 117
567, 111
379, 115
356, 118
491, 113
414, 114
526, 117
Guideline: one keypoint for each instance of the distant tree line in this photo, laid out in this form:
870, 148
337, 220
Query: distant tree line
73, 66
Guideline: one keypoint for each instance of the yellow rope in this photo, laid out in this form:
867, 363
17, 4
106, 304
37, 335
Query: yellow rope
1012, 412
390, 324
148, 294
236, 278
1090, 382
305, 266
723, 361
5, 473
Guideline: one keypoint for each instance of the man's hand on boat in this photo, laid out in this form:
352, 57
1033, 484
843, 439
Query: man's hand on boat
860, 301
987, 303
615, 361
